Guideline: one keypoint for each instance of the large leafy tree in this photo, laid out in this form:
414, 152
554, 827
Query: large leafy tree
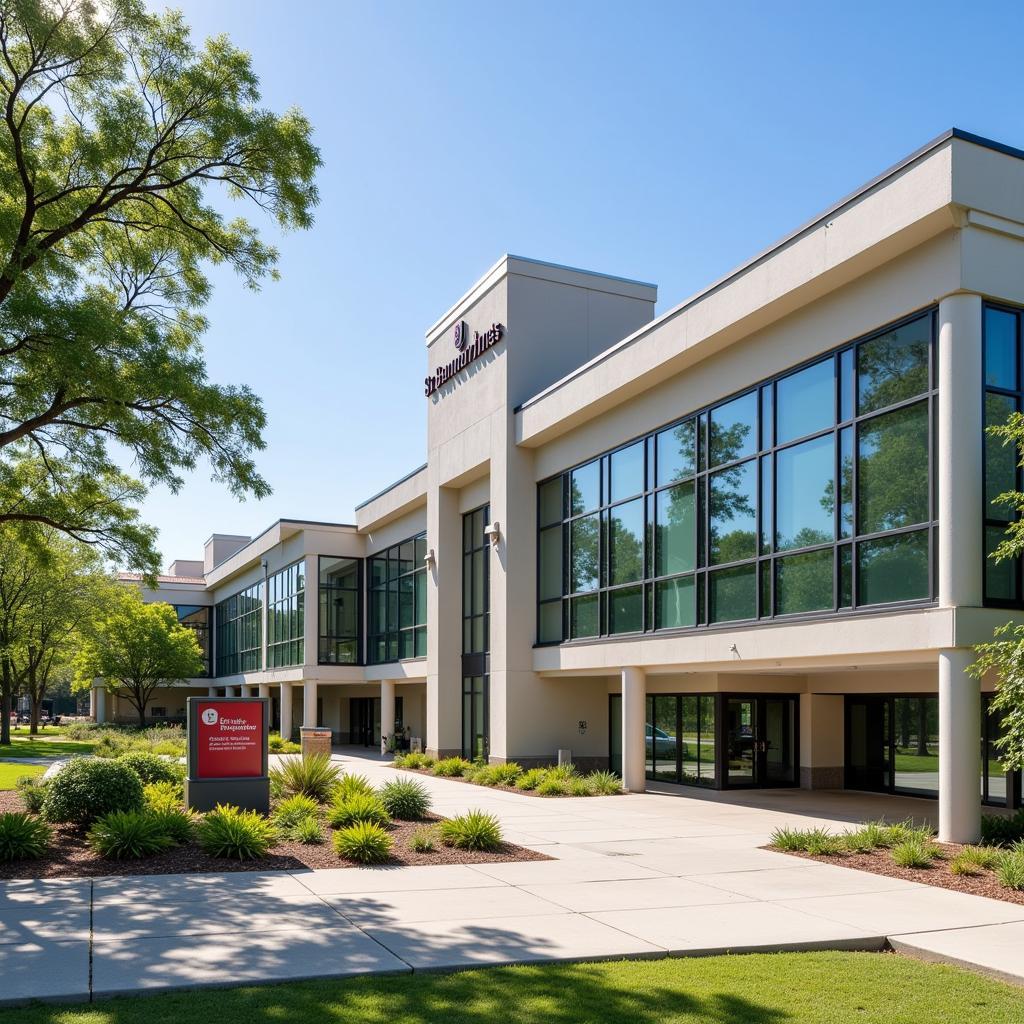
119, 141
136, 648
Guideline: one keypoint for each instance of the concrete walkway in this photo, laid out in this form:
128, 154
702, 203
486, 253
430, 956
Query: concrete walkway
640, 876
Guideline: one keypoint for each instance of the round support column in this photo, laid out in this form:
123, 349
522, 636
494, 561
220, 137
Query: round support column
634, 731
99, 704
286, 711
264, 690
387, 712
959, 736
309, 703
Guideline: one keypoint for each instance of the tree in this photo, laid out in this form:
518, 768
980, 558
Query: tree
1003, 656
135, 648
16, 581
117, 134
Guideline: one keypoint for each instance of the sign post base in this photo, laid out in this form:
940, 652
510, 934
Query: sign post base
248, 794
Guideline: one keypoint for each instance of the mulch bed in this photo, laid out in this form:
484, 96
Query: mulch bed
879, 862
71, 857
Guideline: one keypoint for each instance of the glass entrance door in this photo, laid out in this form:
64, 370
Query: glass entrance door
868, 747
741, 741
364, 721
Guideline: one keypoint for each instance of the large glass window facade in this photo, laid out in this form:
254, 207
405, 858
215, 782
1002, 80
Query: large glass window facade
1004, 390
397, 595
286, 600
239, 630
339, 617
809, 493
197, 618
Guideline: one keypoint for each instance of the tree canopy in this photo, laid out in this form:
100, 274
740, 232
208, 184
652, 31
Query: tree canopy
119, 141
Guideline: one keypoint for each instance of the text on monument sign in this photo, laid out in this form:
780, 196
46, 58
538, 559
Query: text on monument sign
230, 740
468, 351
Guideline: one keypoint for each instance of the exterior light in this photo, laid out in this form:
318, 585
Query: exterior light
493, 530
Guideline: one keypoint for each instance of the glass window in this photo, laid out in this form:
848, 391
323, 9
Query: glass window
805, 494
197, 618
1000, 459
238, 624
551, 562
397, 602
803, 583
339, 618
733, 593
1000, 577
286, 603
676, 453
894, 366
892, 469
585, 487
807, 401
768, 416
583, 616
676, 602
626, 542
550, 624
846, 524
733, 513
676, 536
1000, 349
627, 465
733, 430
626, 610
550, 501
846, 385
893, 568
585, 554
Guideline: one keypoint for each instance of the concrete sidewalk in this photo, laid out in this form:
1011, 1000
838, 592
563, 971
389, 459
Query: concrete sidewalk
639, 876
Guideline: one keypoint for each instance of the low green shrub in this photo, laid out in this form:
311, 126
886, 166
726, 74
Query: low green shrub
175, 823
816, 841
351, 784
1002, 830
565, 771
1010, 870
424, 839
451, 767
128, 835
277, 744
365, 842
228, 831
22, 837
872, 835
473, 830
163, 796
150, 768
360, 807
413, 760
553, 785
972, 860
904, 831
531, 778
579, 786
497, 774
291, 811
788, 840
604, 783
307, 830
32, 790
915, 852
315, 776
87, 788
405, 798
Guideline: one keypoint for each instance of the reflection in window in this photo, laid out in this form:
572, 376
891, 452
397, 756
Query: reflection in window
286, 604
584, 540
338, 625
676, 602
807, 401
893, 367
1000, 349
627, 472
733, 430
397, 594
675, 453
803, 583
626, 542
1000, 459
197, 618
733, 593
892, 469
805, 494
626, 610
585, 488
893, 568
676, 537
733, 514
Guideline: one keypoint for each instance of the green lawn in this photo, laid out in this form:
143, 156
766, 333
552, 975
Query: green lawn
42, 746
794, 988
10, 773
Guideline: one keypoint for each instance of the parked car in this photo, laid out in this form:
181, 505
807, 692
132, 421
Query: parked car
659, 743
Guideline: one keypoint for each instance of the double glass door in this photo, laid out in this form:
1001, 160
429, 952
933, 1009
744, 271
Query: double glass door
364, 721
760, 734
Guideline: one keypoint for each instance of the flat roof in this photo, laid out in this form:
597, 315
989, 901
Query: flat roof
391, 486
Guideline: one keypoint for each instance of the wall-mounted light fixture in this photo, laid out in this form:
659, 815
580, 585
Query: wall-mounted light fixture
429, 560
493, 530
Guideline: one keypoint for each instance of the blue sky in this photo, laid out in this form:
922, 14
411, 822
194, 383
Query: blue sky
665, 141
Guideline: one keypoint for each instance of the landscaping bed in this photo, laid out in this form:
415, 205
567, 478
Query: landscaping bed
903, 850
338, 821
553, 781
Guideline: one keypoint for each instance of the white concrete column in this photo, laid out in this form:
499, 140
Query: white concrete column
634, 731
959, 735
99, 703
308, 702
958, 454
211, 691
230, 691
286, 711
387, 711
264, 690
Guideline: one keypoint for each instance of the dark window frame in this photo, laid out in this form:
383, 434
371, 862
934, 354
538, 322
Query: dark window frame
291, 648
235, 623
358, 590
393, 635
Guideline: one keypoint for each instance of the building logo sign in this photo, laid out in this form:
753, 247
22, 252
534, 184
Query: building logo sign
469, 351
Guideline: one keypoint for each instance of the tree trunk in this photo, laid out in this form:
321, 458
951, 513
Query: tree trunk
34, 696
5, 703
